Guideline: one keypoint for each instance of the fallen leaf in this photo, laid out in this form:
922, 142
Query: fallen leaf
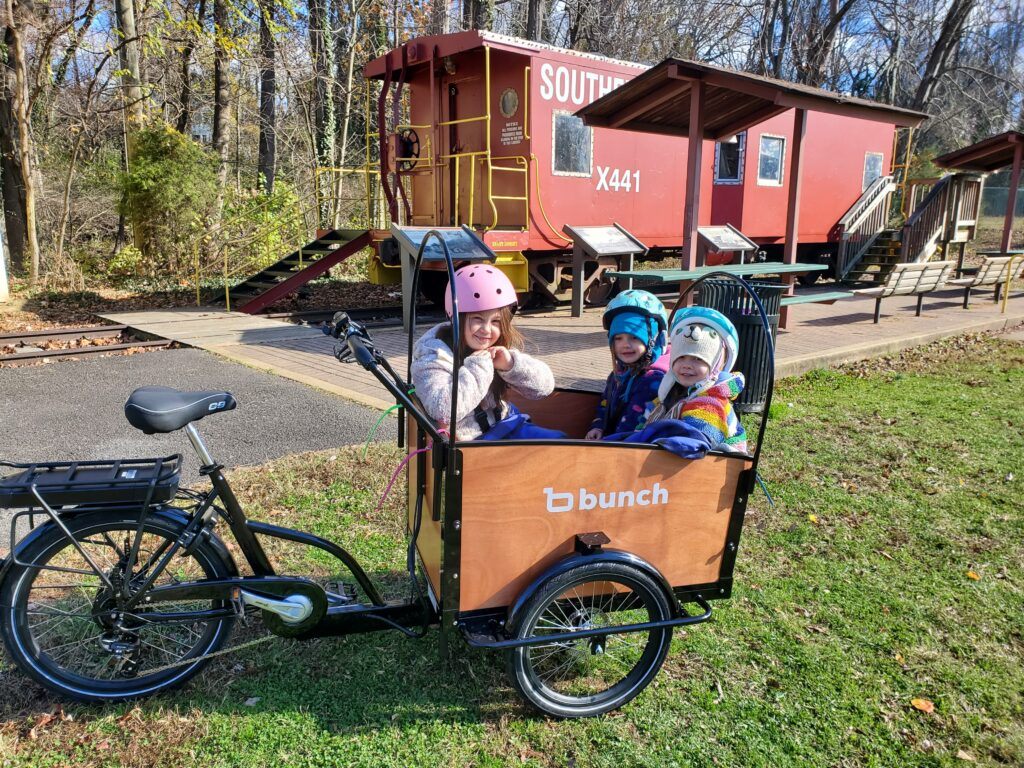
965, 755
900, 659
923, 705
973, 575
813, 519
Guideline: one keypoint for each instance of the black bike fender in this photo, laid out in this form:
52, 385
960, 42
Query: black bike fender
171, 514
577, 559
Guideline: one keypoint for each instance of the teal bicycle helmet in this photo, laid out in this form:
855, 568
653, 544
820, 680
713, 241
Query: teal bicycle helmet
640, 314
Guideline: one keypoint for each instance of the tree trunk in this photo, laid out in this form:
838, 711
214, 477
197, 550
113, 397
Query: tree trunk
22, 140
220, 99
322, 48
949, 38
131, 81
10, 168
534, 18
268, 93
185, 116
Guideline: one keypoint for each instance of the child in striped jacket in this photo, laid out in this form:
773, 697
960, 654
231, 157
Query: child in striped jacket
700, 386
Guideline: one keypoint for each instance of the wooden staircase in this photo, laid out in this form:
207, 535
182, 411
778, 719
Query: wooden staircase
287, 275
879, 259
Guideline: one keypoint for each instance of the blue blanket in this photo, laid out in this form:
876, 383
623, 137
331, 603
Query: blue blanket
517, 426
672, 435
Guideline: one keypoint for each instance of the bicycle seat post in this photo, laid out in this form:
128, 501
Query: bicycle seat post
200, 447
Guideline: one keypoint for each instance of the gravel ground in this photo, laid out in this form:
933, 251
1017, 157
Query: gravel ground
75, 410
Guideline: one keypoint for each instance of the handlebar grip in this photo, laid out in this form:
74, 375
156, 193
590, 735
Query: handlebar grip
362, 355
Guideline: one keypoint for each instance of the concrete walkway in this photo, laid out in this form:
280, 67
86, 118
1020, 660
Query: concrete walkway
576, 349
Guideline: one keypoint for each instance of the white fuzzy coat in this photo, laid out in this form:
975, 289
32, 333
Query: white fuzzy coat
432, 364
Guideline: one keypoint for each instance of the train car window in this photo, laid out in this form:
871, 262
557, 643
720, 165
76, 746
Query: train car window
769, 162
872, 168
729, 160
573, 151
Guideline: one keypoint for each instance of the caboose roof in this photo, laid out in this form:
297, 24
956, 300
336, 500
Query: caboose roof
458, 42
658, 101
987, 155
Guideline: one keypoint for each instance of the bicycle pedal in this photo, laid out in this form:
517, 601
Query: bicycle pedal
237, 603
340, 592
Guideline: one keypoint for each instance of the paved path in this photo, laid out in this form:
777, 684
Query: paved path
819, 335
75, 410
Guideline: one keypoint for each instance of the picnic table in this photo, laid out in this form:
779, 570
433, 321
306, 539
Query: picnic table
670, 276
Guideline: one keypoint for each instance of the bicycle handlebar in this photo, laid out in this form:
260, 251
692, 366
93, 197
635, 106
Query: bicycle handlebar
355, 337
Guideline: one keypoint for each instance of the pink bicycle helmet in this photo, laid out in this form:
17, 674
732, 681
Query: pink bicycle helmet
481, 288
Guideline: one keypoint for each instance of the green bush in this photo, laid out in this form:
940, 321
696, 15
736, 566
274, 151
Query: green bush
257, 229
168, 193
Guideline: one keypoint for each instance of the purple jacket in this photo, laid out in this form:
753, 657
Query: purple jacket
626, 398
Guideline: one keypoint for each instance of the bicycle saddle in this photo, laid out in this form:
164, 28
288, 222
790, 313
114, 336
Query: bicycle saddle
162, 409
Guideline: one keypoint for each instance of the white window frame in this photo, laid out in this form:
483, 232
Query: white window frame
554, 121
881, 166
741, 139
761, 181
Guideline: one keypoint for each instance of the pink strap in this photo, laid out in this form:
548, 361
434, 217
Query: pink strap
402, 465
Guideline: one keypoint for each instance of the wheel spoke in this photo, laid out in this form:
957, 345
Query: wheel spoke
76, 627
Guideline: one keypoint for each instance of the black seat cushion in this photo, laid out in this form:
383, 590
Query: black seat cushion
162, 409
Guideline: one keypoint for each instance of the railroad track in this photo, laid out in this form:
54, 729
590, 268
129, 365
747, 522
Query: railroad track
27, 342
369, 317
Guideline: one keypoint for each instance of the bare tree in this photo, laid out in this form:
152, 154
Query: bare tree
268, 96
21, 187
193, 29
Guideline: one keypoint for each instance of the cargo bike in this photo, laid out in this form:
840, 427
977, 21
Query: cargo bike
574, 558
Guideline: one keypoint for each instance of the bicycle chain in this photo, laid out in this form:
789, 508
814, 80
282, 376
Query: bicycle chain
204, 657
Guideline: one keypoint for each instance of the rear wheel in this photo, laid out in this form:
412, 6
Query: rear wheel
592, 675
62, 622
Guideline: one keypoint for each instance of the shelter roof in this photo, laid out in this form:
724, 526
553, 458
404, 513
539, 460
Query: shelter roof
990, 154
458, 42
658, 101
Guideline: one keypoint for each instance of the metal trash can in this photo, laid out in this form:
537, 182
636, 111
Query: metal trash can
729, 298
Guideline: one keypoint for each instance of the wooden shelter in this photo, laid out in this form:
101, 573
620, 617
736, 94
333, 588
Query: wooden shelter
992, 154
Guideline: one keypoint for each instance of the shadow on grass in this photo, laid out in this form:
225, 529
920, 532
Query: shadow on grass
361, 681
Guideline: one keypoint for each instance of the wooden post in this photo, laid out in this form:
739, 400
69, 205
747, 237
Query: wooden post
793, 206
1011, 198
691, 209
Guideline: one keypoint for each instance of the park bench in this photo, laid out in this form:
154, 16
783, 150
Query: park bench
994, 270
910, 280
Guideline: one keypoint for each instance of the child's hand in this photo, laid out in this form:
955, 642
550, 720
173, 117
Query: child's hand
502, 358
594, 434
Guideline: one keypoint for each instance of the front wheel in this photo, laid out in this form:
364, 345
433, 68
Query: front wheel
596, 674
62, 624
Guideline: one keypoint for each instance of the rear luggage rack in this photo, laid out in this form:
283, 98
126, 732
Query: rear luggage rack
119, 481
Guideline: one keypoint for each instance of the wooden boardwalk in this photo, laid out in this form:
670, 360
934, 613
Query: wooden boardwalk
819, 335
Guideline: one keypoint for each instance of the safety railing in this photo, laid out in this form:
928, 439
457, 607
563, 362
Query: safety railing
863, 223
926, 225
479, 166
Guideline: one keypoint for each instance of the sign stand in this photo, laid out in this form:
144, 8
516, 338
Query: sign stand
592, 243
463, 245
724, 239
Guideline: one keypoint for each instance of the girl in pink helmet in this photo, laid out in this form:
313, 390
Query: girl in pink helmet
492, 361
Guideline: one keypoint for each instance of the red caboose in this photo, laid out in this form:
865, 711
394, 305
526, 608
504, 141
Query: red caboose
479, 128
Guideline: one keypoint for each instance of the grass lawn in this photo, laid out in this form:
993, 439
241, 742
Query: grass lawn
876, 618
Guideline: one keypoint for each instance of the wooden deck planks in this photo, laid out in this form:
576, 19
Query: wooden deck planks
576, 350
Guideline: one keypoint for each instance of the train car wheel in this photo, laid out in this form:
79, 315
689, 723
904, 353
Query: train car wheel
593, 675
